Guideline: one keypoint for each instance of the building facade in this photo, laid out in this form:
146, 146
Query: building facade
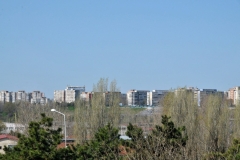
22, 96
8, 141
59, 96
155, 96
201, 94
137, 97
236, 100
69, 95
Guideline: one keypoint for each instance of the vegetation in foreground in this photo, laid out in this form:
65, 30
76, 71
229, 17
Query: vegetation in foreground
212, 129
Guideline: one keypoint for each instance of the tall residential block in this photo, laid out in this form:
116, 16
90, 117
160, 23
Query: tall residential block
155, 96
38, 97
234, 95
137, 97
69, 95
86, 96
73, 93
59, 96
34, 97
237, 96
201, 94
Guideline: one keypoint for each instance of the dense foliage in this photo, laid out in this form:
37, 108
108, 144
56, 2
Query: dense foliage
42, 141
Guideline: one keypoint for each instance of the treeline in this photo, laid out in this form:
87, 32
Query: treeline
164, 142
211, 127
211, 130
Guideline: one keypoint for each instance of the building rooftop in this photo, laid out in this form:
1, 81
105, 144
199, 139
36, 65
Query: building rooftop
7, 136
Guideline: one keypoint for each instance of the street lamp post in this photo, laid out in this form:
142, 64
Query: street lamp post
54, 110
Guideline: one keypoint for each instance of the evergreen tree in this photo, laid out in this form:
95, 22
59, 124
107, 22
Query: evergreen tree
165, 142
232, 153
40, 144
105, 145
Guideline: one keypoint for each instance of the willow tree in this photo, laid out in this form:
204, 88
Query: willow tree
101, 109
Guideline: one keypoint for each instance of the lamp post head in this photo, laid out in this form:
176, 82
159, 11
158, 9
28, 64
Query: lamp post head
53, 110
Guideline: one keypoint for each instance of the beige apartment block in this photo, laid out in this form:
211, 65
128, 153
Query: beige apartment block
234, 95
59, 96
231, 93
70, 96
86, 96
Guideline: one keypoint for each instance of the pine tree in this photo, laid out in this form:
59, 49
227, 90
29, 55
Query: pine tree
40, 144
105, 145
165, 142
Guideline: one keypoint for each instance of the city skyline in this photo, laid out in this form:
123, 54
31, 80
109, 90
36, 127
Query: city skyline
47, 45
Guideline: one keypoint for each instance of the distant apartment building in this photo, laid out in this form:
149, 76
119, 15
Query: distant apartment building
137, 97
111, 98
69, 95
231, 93
237, 96
8, 96
21, 96
123, 101
38, 97
155, 96
73, 93
108, 97
234, 95
2, 96
59, 96
200, 94
14, 96
86, 96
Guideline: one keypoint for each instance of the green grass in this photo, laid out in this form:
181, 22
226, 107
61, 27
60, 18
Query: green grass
71, 108
128, 110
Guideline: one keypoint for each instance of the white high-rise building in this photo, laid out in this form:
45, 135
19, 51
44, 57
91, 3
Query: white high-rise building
21, 96
36, 96
14, 96
73, 93
200, 94
5, 96
154, 97
236, 100
137, 97
2, 96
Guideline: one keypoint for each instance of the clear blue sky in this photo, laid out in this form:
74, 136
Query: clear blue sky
47, 45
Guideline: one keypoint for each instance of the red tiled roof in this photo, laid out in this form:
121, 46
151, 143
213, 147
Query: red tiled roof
6, 136
62, 145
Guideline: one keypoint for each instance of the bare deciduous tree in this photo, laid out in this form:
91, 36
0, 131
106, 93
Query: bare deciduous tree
103, 108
